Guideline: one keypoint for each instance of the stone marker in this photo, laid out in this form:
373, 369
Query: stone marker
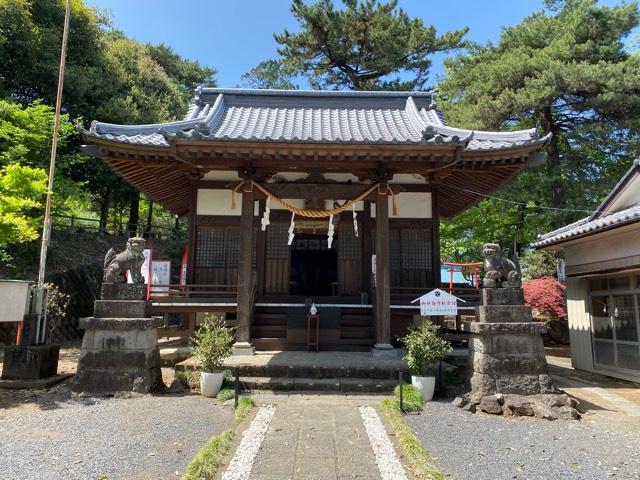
506, 354
120, 345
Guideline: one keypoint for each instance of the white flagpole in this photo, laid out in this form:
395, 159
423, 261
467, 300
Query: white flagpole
46, 230
40, 297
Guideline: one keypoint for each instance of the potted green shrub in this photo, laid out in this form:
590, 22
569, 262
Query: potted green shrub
424, 349
213, 341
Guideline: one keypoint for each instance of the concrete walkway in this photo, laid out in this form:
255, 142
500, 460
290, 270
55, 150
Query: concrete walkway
315, 437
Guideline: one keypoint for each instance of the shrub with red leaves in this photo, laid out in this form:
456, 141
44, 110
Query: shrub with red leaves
546, 297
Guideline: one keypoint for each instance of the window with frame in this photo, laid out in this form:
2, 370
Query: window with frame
615, 322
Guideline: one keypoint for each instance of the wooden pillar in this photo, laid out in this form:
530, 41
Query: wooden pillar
435, 231
383, 287
193, 228
366, 225
245, 275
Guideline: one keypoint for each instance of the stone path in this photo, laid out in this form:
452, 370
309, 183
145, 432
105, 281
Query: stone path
315, 437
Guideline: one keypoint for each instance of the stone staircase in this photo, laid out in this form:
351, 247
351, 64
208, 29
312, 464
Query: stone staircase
319, 372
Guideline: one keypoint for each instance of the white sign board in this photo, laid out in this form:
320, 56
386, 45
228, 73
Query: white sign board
160, 275
14, 297
438, 302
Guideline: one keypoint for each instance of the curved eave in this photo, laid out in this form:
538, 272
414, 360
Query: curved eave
161, 173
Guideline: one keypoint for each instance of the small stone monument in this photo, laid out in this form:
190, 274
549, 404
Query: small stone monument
506, 354
120, 344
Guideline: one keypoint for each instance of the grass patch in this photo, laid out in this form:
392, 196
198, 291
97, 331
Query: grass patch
189, 378
417, 455
412, 398
206, 462
226, 394
245, 404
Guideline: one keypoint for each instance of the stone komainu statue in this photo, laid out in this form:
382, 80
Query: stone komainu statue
131, 259
499, 271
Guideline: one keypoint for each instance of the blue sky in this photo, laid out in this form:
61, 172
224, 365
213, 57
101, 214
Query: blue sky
235, 35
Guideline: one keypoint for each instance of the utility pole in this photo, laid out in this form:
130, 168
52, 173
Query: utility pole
46, 230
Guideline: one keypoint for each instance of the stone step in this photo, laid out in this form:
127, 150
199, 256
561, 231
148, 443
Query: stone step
318, 372
319, 384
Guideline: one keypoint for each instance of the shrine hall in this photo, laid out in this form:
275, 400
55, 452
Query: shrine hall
293, 198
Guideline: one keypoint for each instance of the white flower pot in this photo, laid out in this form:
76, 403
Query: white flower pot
426, 385
210, 383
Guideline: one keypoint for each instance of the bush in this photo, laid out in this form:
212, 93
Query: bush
545, 296
424, 347
212, 341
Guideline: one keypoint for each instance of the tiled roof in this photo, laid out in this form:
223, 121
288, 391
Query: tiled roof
587, 226
312, 117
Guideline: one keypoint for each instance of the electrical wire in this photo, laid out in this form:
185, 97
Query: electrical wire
521, 203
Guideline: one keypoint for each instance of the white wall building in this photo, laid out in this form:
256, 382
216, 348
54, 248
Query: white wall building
602, 266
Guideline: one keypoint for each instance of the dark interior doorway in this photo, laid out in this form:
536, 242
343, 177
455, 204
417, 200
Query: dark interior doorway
314, 267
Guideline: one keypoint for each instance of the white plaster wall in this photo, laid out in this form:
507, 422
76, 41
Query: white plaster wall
579, 323
221, 175
296, 202
218, 202
618, 244
410, 205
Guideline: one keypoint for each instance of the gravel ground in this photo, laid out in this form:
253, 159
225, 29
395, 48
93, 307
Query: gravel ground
60, 435
486, 447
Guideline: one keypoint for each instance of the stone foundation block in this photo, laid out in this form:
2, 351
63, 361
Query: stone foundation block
516, 344
124, 291
502, 296
30, 362
120, 308
93, 323
503, 313
511, 363
518, 383
505, 328
482, 385
119, 360
103, 381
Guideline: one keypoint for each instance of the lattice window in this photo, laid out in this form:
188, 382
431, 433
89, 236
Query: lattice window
218, 247
277, 236
416, 248
350, 246
410, 249
395, 249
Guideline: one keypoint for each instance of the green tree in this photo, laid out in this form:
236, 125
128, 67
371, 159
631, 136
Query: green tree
188, 74
367, 45
25, 133
109, 77
565, 70
269, 74
21, 194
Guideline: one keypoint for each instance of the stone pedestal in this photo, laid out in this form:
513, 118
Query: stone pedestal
120, 344
507, 363
30, 362
506, 354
